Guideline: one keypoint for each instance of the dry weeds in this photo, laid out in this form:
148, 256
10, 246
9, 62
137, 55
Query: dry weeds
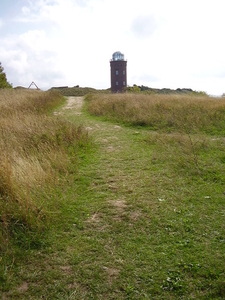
161, 112
34, 150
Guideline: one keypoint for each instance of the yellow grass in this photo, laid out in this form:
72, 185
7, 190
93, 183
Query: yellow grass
167, 112
34, 147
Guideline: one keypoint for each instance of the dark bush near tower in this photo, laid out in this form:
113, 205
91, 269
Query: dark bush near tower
3, 80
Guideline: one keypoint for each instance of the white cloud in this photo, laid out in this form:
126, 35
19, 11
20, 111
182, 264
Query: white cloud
29, 57
67, 42
25, 10
144, 26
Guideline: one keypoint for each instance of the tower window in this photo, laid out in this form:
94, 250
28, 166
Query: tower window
117, 72
123, 72
124, 83
117, 83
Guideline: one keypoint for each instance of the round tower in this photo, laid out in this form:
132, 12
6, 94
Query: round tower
118, 72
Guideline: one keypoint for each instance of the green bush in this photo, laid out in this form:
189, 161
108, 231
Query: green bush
3, 80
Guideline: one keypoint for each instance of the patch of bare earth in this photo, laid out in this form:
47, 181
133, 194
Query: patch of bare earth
120, 205
96, 221
73, 103
23, 287
112, 273
95, 218
67, 270
20, 289
123, 209
134, 215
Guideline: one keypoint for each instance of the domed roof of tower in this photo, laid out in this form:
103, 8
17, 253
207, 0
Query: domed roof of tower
118, 56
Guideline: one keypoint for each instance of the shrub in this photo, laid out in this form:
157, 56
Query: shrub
3, 80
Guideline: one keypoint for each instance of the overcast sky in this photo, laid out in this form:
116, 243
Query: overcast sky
167, 43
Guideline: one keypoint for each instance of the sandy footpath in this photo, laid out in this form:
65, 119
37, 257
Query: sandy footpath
74, 103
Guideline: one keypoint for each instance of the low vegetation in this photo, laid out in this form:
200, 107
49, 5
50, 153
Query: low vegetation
78, 91
83, 91
184, 140
140, 217
36, 151
169, 113
165, 91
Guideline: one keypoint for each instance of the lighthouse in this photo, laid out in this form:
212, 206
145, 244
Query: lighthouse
118, 68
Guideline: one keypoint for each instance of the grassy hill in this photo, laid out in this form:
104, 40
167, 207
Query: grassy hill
121, 199
82, 91
78, 91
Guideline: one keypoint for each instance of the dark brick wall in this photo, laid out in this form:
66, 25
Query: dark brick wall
118, 75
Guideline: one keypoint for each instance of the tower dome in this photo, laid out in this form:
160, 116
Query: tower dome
117, 56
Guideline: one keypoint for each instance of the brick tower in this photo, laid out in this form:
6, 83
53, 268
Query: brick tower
118, 72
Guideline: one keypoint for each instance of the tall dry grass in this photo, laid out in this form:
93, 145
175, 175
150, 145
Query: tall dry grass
162, 112
35, 149
186, 131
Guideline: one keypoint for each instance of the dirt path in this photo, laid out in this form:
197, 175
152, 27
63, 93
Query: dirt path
74, 103
123, 161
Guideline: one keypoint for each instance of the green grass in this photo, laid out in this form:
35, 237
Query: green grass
78, 91
168, 113
141, 218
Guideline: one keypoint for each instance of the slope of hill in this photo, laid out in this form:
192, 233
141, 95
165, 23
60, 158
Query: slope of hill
82, 91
